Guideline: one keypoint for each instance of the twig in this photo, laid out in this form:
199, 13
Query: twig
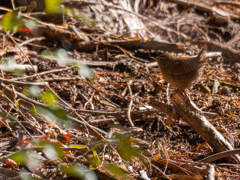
130, 104
121, 113
13, 4
61, 79
18, 67
201, 125
229, 54
93, 127
211, 172
233, 3
31, 40
89, 101
86, 123
14, 104
155, 22
101, 121
43, 73
90, 63
205, 8
10, 81
220, 155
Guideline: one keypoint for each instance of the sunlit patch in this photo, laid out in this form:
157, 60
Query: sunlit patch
62, 58
11, 66
31, 24
79, 171
90, 175
50, 151
33, 91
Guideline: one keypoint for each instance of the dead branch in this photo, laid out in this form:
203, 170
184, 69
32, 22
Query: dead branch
18, 67
202, 126
205, 8
229, 54
220, 155
9, 81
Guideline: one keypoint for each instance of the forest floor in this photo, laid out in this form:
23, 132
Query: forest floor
76, 92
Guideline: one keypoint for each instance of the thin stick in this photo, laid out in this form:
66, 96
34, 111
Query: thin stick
13, 4
74, 111
42, 73
130, 104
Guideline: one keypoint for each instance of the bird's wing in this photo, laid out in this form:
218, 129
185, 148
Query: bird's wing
177, 67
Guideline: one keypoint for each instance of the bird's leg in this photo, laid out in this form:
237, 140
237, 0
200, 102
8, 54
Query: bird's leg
178, 91
168, 97
190, 102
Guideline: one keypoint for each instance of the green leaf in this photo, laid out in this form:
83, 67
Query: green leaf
9, 65
116, 170
93, 159
62, 58
79, 171
52, 150
125, 148
49, 98
79, 146
52, 114
11, 21
26, 159
52, 6
32, 91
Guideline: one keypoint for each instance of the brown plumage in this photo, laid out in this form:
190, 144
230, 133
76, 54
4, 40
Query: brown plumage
182, 72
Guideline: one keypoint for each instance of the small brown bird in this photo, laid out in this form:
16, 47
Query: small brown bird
182, 72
